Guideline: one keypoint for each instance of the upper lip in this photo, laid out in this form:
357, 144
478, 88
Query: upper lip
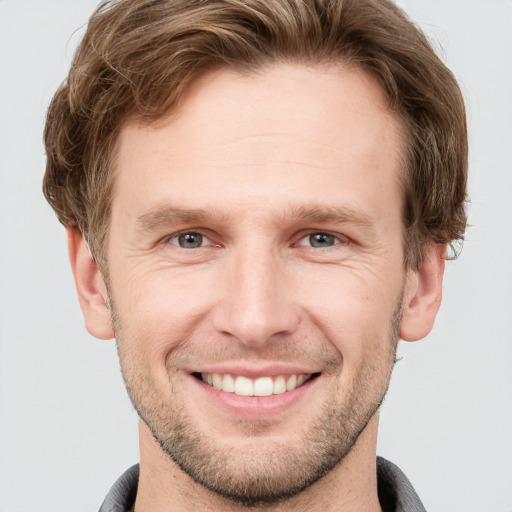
254, 371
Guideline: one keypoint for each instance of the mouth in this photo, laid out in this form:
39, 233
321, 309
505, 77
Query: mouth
262, 386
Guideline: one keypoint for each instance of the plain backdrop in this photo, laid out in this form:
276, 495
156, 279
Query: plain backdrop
67, 429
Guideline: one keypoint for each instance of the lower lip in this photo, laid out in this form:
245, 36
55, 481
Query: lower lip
255, 406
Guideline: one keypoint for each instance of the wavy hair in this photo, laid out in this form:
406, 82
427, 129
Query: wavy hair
138, 56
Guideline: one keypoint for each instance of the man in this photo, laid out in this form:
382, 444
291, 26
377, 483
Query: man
258, 197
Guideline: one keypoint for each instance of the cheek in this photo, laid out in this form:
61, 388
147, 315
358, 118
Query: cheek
159, 310
355, 313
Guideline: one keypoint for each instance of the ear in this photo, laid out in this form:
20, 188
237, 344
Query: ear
423, 294
91, 289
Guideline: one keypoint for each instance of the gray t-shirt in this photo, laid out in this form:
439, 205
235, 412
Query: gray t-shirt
396, 494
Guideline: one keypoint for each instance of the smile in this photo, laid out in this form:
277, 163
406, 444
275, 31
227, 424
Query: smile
262, 386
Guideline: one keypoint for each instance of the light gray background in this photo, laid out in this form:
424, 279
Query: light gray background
67, 429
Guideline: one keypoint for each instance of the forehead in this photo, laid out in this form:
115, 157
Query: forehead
293, 134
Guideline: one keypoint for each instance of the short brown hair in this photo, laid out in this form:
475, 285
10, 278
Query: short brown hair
138, 56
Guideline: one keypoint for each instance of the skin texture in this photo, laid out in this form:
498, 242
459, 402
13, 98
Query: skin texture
255, 165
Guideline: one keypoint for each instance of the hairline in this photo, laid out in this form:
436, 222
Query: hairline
245, 69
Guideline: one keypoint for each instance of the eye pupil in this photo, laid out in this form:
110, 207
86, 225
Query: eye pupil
190, 240
322, 240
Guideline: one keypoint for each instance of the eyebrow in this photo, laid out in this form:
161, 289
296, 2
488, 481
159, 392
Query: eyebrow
331, 214
322, 214
168, 215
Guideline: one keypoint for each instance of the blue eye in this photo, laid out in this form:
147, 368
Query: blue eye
320, 240
189, 240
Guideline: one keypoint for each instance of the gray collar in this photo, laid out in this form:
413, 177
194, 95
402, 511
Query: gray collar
396, 494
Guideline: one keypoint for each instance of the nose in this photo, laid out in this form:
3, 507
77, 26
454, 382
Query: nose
257, 300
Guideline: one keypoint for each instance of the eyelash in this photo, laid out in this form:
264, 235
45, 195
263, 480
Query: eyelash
339, 239
182, 233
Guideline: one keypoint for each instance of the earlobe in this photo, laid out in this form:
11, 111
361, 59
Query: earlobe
90, 286
423, 294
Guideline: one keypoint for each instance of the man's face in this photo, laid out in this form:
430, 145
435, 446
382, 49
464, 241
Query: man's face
256, 245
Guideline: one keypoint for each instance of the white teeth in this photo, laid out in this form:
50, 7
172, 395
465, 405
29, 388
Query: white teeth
243, 386
262, 386
291, 383
228, 384
279, 385
217, 381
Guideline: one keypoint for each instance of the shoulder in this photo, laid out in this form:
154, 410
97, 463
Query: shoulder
396, 493
121, 496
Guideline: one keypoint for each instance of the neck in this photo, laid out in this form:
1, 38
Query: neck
350, 487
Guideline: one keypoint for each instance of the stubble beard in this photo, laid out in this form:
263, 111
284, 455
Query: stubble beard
260, 477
